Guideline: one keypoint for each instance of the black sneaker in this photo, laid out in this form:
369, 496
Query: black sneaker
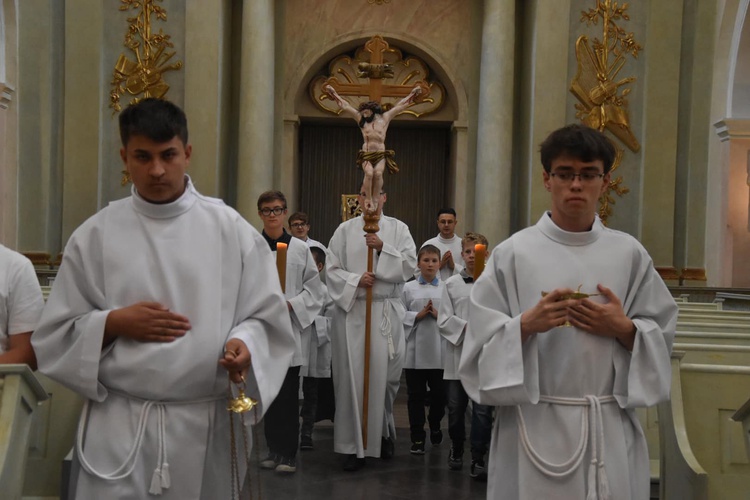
270, 462
305, 442
387, 448
352, 463
287, 465
417, 448
455, 459
478, 470
436, 437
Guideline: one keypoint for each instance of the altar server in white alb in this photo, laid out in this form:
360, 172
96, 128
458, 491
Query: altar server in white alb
347, 280
566, 426
21, 305
425, 348
305, 296
161, 296
449, 244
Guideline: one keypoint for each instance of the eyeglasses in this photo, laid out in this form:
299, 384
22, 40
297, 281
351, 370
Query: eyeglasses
297, 225
584, 177
268, 211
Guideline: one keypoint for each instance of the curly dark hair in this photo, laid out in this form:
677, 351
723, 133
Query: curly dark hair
373, 106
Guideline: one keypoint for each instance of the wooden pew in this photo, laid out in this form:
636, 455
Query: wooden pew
743, 416
702, 452
20, 394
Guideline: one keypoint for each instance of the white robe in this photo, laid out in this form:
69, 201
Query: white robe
452, 318
496, 369
318, 347
454, 245
306, 294
21, 299
201, 259
346, 262
425, 347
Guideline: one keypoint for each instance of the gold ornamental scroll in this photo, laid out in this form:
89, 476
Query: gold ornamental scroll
600, 88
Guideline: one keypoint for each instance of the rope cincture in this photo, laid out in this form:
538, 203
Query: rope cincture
161, 478
592, 438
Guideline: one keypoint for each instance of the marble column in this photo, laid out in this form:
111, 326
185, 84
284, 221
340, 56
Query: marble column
256, 114
495, 121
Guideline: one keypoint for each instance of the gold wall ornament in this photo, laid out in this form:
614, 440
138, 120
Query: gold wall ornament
144, 76
363, 78
602, 97
350, 207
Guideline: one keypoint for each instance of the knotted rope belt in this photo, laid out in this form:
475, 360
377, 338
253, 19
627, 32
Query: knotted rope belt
161, 478
592, 439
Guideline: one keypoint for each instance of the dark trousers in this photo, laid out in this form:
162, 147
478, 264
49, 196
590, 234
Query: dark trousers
281, 421
481, 420
309, 404
416, 388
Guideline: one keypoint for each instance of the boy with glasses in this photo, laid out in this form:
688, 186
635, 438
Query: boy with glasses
299, 226
570, 329
305, 296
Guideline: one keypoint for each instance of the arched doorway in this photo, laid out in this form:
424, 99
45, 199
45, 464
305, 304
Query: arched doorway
431, 152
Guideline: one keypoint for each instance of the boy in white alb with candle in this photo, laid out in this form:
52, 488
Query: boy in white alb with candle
452, 318
305, 295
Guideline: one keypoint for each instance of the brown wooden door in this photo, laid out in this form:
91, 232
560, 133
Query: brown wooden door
328, 170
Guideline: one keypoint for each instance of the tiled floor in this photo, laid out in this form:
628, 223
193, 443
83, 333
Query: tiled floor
405, 476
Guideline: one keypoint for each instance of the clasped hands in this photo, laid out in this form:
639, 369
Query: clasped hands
427, 309
154, 322
604, 320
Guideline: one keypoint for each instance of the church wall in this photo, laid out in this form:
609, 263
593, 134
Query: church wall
8, 122
446, 34
40, 125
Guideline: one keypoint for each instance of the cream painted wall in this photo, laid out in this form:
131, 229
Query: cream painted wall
8, 123
676, 199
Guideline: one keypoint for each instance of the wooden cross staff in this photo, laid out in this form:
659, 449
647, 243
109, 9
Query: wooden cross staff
375, 71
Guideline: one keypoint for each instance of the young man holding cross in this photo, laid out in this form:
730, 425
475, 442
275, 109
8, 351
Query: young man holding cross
373, 156
347, 279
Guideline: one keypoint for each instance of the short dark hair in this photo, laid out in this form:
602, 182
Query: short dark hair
156, 119
300, 216
473, 238
428, 249
319, 255
579, 141
271, 196
447, 210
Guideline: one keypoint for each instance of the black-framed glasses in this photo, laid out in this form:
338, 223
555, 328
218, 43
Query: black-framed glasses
583, 176
268, 211
297, 225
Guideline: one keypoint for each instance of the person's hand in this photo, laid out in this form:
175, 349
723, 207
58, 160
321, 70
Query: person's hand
373, 241
366, 280
548, 313
236, 359
427, 309
447, 260
433, 311
604, 320
145, 322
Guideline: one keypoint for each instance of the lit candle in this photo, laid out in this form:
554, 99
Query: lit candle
281, 264
480, 253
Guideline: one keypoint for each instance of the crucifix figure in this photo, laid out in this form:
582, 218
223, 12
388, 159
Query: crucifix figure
373, 157
373, 122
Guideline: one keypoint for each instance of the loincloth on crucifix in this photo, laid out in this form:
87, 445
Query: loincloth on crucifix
373, 157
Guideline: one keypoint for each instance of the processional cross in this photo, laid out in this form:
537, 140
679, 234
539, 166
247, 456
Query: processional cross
375, 157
